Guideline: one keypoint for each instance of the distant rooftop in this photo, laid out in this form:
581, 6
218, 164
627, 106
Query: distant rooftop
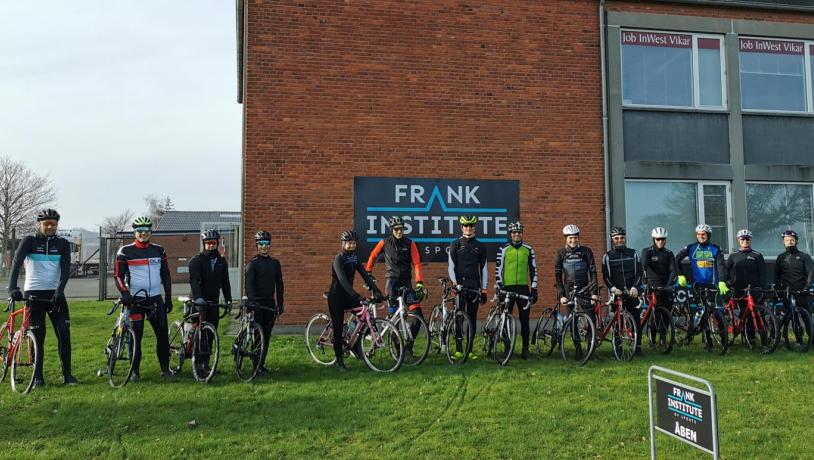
191, 221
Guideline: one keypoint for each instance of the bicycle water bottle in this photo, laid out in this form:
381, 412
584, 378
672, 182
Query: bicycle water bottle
696, 319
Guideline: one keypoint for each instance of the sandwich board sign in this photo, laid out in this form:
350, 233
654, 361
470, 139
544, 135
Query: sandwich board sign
682, 411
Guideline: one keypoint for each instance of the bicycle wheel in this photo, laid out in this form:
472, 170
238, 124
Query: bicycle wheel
435, 324
416, 340
489, 332
797, 330
504, 340
624, 337
578, 339
26, 353
247, 350
319, 339
660, 330
715, 336
177, 347
122, 348
546, 333
382, 349
682, 322
205, 352
767, 333
458, 336
4, 353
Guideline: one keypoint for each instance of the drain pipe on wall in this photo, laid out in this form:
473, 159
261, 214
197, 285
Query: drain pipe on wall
605, 155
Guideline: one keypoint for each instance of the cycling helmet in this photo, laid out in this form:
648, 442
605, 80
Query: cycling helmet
516, 227
396, 222
142, 221
789, 232
48, 214
703, 228
262, 235
745, 234
617, 231
468, 220
570, 229
348, 235
210, 235
658, 232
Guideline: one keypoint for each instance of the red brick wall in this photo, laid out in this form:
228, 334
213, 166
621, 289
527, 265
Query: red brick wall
678, 9
179, 247
487, 89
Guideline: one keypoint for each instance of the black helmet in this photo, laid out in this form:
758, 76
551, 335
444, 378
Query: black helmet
48, 214
210, 235
789, 232
348, 235
262, 235
396, 222
617, 231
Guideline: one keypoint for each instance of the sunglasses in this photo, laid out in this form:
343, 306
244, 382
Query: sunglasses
661, 239
398, 229
467, 225
144, 230
264, 243
516, 232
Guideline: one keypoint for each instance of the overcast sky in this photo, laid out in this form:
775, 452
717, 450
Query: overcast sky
116, 99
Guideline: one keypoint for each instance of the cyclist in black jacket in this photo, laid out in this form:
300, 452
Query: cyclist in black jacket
341, 295
794, 269
47, 260
208, 276
467, 268
659, 266
574, 265
264, 282
746, 268
622, 273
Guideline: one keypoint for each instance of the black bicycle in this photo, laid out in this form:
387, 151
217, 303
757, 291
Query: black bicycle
247, 349
196, 339
795, 320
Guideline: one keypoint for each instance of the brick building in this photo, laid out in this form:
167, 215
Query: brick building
598, 112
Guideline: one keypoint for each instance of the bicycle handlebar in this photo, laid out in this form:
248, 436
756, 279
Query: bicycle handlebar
508, 295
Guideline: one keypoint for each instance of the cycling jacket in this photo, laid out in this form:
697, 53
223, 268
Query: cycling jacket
745, 268
621, 268
659, 266
793, 269
574, 266
208, 275
706, 263
467, 263
516, 265
264, 279
343, 271
400, 256
47, 261
142, 267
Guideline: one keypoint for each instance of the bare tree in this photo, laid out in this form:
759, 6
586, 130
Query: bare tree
156, 206
113, 225
22, 193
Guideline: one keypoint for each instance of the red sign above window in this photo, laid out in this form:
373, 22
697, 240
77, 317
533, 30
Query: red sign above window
759, 45
630, 37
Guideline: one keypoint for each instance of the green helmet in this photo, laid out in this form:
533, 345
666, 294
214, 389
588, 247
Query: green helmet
468, 220
142, 221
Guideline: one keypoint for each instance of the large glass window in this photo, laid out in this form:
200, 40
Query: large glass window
677, 207
671, 69
773, 75
772, 208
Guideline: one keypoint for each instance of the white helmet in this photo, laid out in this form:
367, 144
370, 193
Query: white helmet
570, 229
744, 234
658, 232
703, 228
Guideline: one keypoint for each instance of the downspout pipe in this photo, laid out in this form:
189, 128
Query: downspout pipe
605, 154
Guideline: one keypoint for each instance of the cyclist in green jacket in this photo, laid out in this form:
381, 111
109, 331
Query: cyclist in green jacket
515, 268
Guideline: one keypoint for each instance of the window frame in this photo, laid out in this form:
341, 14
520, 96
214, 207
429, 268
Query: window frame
696, 76
807, 77
768, 182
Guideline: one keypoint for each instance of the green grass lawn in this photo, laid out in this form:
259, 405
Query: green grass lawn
532, 409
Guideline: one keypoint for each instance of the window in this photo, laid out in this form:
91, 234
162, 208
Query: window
676, 206
772, 208
672, 69
773, 75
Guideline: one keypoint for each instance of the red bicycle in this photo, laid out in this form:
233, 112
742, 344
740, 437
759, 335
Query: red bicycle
621, 324
752, 322
21, 351
657, 322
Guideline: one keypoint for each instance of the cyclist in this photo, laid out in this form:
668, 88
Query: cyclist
264, 283
794, 270
574, 265
467, 268
400, 258
208, 276
707, 268
745, 268
47, 260
141, 267
659, 266
515, 268
341, 295
622, 273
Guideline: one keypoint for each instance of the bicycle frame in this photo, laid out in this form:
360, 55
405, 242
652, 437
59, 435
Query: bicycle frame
740, 320
13, 336
618, 301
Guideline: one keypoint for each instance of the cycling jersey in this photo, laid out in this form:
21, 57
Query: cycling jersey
574, 266
400, 256
516, 265
745, 268
467, 263
621, 268
343, 271
142, 267
208, 275
706, 263
659, 266
264, 279
793, 269
47, 261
